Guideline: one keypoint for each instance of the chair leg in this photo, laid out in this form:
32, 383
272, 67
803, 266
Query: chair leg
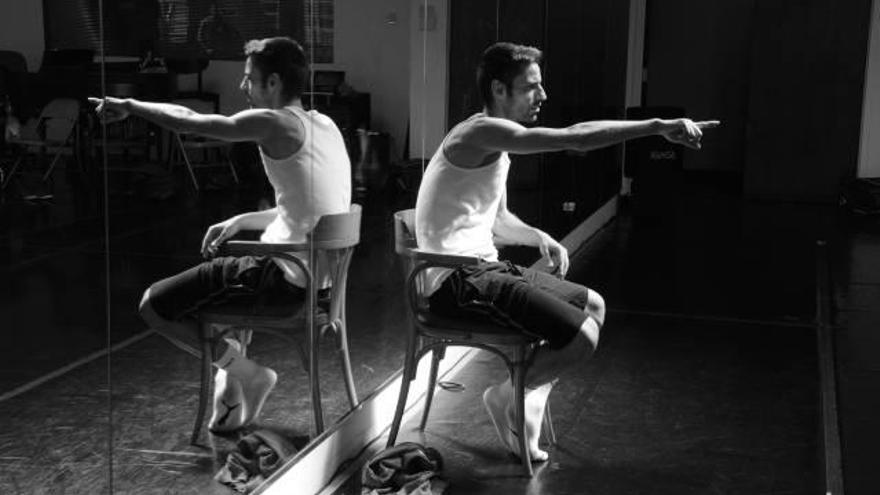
314, 382
548, 424
189, 167
232, 167
205, 388
244, 337
409, 364
52, 165
303, 357
436, 356
12, 171
347, 375
520, 413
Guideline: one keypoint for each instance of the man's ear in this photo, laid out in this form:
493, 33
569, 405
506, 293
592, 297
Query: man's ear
499, 89
273, 81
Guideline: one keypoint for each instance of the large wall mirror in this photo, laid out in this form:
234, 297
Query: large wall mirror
104, 401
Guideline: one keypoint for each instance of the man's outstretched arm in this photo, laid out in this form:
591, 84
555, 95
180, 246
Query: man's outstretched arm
497, 134
248, 125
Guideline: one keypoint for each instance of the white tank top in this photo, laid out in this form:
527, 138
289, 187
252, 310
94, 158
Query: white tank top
313, 181
456, 210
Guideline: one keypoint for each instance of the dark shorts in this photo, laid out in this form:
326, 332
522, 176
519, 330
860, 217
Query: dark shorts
255, 282
535, 301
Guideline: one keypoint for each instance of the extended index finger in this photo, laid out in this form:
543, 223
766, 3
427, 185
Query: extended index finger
95, 101
708, 124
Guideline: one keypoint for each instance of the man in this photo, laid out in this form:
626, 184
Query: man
462, 209
305, 159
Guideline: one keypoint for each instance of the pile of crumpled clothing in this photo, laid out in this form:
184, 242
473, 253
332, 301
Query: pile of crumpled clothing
259, 454
407, 468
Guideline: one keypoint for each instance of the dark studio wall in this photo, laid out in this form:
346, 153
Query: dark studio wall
786, 77
805, 105
698, 59
584, 44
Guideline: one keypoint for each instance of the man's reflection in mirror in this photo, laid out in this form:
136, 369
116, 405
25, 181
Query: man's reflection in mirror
305, 160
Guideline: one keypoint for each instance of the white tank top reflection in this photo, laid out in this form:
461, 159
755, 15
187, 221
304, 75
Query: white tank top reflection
313, 181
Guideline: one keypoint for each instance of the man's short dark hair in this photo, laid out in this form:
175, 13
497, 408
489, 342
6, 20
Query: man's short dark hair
283, 56
503, 61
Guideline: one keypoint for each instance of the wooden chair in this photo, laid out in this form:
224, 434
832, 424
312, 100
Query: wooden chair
334, 239
429, 332
54, 132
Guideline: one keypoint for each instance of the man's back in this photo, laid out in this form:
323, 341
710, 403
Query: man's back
313, 181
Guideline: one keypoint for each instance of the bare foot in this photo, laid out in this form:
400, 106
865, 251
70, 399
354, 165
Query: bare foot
502, 418
256, 388
228, 413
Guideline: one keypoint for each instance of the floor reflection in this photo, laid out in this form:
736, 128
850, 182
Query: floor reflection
56, 269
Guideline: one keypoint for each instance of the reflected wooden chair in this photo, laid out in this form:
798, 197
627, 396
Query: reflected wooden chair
428, 332
333, 240
184, 147
54, 133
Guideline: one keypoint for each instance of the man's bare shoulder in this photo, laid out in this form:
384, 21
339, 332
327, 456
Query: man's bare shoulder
284, 131
468, 144
474, 131
261, 120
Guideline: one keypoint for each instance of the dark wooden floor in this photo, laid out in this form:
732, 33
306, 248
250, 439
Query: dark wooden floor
667, 406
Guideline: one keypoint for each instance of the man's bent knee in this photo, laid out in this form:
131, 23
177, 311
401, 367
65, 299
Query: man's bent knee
145, 308
595, 307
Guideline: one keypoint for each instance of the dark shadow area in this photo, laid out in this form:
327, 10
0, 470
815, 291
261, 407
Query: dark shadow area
707, 376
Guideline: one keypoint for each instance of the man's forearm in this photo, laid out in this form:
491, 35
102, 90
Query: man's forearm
510, 229
256, 220
598, 134
177, 118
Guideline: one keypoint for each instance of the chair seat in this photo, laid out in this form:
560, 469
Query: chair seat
478, 329
199, 144
253, 310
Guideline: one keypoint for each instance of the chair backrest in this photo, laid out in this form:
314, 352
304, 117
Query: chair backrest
59, 118
338, 231
419, 267
404, 245
405, 231
335, 237
55, 124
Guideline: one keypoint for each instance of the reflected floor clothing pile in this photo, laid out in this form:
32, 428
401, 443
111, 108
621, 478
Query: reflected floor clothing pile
259, 455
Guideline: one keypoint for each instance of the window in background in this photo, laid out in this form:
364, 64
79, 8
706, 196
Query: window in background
184, 28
